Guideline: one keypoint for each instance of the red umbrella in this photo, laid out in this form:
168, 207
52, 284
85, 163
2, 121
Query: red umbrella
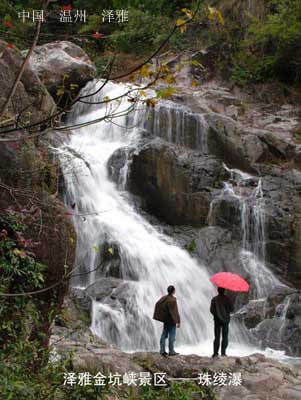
230, 281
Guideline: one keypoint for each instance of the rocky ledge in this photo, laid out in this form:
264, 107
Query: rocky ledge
261, 378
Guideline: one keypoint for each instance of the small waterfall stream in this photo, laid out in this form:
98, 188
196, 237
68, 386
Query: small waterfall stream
177, 124
253, 231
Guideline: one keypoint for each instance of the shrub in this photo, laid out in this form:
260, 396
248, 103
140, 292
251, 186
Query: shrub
272, 46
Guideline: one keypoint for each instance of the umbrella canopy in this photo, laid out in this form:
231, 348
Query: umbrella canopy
230, 281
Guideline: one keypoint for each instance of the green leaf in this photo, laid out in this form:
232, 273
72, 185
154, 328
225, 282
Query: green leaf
195, 63
166, 92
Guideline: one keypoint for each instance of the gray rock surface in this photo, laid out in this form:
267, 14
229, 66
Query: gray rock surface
261, 378
31, 101
176, 186
53, 61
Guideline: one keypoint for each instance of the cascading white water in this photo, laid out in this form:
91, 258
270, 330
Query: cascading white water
253, 231
150, 261
179, 125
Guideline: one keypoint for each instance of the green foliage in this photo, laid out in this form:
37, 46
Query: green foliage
177, 391
251, 69
166, 92
272, 46
158, 7
19, 272
191, 247
18, 381
141, 34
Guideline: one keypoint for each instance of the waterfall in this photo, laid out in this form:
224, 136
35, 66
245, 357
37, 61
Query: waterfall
105, 217
105, 213
253, 231
177, 124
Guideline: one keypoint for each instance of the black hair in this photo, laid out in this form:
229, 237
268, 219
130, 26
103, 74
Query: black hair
221, 290
170, 289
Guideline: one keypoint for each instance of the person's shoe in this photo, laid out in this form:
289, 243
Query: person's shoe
224, 355
174, 354
214, 355
164, 354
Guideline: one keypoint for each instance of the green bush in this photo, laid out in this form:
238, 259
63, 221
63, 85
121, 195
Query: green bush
18, 381
141, 34
272, 46
178, 391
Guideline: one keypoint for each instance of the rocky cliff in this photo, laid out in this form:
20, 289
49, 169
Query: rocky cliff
29, 178
226, 168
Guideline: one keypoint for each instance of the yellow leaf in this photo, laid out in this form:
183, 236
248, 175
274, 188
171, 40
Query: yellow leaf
150, 102
220, 18
110, 250
214, 13
106, 99
96, 248
71, 240
60, 90
142, 93
170, 79
144, 71
194, 83
197, 64
181, 23
164, 69
187, 12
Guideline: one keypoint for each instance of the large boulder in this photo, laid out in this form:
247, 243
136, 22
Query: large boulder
102, 288
62, 63
31, 102
177, 186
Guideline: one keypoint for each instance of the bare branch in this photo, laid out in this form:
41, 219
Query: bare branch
23, 66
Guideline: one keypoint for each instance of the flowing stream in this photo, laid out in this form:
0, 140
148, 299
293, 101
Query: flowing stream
150, 261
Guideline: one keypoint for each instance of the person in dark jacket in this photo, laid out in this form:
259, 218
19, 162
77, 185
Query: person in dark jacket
166, 311
221, 307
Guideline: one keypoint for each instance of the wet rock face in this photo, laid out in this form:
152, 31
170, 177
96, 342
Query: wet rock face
177, 124
225, 141
283, 224
275, 321
53, 61
102, 288
116, 163
110, 261
176, 186
226, 212
31, 98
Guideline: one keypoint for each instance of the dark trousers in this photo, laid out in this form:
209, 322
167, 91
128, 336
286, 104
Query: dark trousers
218, 327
